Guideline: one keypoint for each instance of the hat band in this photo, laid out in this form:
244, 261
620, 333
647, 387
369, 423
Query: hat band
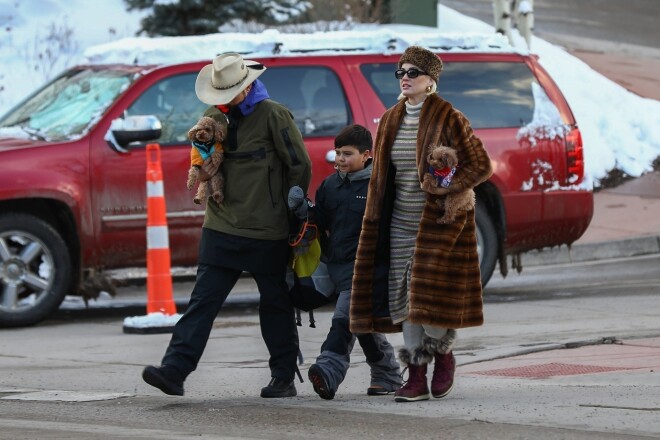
233, 85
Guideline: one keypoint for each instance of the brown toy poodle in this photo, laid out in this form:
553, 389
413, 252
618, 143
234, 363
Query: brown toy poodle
206, 136
443, 164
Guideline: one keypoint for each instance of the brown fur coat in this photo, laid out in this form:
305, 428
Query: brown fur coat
445, 288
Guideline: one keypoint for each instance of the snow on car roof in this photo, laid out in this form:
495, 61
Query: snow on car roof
385, 39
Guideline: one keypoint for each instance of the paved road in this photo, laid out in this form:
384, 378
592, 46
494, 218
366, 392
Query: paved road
633, 22
79, 378
617, 38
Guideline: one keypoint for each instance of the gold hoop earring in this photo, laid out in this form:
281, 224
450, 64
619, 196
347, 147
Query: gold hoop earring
428, 89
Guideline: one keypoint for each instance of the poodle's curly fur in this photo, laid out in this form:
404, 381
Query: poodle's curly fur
453, 202
204, 131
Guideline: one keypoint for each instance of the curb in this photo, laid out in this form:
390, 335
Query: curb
628, 247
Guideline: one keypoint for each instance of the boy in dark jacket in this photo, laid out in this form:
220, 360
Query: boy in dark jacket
340, 202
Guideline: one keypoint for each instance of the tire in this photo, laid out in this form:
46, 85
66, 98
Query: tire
35, 270
486, 244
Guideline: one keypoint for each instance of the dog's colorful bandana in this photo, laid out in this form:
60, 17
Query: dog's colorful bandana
443, 176
205, 149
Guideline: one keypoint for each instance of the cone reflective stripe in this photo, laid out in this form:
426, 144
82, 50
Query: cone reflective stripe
159, 275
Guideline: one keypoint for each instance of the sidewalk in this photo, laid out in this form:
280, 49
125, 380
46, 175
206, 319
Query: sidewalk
626, 222
605, 383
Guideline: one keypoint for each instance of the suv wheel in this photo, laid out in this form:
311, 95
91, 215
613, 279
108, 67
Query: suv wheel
35, 269
486, 243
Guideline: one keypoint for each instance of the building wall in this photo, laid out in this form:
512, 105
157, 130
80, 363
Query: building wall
420, 12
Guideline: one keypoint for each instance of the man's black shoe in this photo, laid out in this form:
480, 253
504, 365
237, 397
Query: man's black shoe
319, 383
279, 388
162, 378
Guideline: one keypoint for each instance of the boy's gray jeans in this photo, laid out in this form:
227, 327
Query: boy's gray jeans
334, 359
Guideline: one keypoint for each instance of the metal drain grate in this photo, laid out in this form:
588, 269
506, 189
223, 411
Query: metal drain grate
548, 370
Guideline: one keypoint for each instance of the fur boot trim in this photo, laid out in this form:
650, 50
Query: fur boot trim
419, 356
443, 345
404, 356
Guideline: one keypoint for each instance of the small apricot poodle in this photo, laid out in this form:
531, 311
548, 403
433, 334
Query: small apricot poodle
207, 136
443, 163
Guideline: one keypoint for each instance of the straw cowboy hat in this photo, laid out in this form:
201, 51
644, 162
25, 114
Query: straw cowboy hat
220, 82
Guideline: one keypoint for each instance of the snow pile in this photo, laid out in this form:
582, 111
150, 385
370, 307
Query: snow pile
152, 320
365, 39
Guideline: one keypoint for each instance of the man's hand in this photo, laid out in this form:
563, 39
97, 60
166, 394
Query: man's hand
208, 170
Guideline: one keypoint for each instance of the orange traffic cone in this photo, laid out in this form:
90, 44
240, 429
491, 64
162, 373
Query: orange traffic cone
159, 276
161, 310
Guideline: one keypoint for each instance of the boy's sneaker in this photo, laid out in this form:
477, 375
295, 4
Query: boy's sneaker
319, 383
279, 388
377, 390
163, 378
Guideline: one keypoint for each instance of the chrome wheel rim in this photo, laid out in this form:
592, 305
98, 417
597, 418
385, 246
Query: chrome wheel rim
27, 271
480, 240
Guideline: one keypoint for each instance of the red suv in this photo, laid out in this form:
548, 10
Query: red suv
72, 170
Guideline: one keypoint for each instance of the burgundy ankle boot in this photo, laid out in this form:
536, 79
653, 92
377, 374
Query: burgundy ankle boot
416, 387
443, 374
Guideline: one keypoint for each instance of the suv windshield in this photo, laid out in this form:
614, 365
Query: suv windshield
66, 107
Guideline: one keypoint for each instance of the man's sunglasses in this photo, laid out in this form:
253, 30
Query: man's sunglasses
412, 73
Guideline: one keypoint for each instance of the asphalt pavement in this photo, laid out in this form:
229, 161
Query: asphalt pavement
580, 366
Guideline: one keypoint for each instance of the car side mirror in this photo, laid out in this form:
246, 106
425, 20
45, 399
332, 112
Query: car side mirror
129, 129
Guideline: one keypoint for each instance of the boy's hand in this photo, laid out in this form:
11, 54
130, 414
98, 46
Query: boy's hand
297, 202
208, 170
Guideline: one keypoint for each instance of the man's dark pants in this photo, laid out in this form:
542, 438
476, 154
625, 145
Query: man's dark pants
276, 318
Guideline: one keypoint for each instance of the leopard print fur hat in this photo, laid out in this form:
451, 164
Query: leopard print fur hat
424, 59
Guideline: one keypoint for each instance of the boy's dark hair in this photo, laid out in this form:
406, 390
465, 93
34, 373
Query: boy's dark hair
355, 135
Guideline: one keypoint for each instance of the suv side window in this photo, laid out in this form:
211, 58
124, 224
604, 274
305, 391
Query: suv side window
174, 102
313, 94
490, 94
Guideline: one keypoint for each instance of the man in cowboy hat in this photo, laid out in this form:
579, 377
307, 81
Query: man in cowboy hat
264, 157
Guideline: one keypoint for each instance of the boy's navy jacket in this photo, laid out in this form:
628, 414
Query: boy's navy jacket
340, 203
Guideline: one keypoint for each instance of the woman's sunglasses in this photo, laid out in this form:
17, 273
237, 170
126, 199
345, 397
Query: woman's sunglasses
412, 73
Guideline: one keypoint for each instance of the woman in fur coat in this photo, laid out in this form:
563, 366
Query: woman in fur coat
413, 272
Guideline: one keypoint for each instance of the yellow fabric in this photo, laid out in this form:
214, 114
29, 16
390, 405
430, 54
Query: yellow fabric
305, 264
195, 157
